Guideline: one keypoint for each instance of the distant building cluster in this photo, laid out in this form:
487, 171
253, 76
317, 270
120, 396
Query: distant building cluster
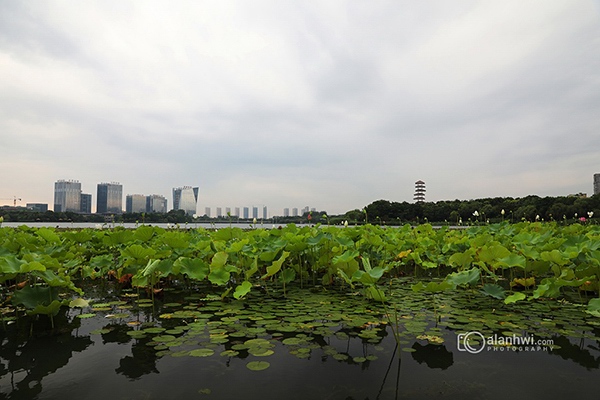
109, 199
68, 196
596, 183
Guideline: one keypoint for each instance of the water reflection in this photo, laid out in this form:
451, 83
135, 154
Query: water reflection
432, 355
26, 361
580, 353
142, 361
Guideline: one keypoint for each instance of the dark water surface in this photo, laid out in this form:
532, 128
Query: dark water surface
340, 349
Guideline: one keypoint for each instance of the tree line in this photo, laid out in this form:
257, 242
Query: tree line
530, 208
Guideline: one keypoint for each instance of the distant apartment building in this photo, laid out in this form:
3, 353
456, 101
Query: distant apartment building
596, 183
228, 211
37, 207
67, 196
236, 213
264, 214
254, 212
109, 199
135, 203
286, 212
294, 212
246, 213
86, 203
219, 212
185, 198
305, 210
156, 203
207, 211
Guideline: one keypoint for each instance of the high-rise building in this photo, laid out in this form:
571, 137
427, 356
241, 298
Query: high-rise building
86, 203
185, 198
136, 203
156, 203
596, 183
228, 211
286, 212
67, 196
207, 211
237, 212
264, 212
246, 213
219, 212
295, 212
109, 199
254, 212
419, 191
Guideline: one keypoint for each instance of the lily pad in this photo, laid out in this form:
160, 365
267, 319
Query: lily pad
202, 353
258, 365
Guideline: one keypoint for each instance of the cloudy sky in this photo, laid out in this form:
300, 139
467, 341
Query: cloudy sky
326, 104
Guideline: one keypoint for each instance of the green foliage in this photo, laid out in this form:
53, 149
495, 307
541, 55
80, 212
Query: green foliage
561, 258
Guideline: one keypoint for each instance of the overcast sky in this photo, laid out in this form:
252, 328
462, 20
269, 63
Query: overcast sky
326, 104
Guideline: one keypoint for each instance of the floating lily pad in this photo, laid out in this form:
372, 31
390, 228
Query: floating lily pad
202, 352
258, 365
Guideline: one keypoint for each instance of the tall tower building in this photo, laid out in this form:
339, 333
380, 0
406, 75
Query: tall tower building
109, 198
264, 214
419, 191
156, 203
67, 196
185, 198
596, 183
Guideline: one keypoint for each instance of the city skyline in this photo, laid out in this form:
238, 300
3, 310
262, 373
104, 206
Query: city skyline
335, 105
68, 196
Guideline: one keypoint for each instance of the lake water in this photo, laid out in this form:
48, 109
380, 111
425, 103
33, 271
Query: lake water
189, 344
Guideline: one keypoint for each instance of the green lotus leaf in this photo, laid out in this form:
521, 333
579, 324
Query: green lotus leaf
219, 276
513, 298
468, 277
79, 302
493, 290
219, 260
288, 275
242, 290
276, 265
33, 296
194, 268
593, 307
513, 260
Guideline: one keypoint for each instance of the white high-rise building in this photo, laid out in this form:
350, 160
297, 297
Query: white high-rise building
185, 198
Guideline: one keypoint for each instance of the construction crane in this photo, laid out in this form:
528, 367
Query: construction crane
14, 199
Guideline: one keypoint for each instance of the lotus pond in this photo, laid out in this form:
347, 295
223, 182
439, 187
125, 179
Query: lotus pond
297, 313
